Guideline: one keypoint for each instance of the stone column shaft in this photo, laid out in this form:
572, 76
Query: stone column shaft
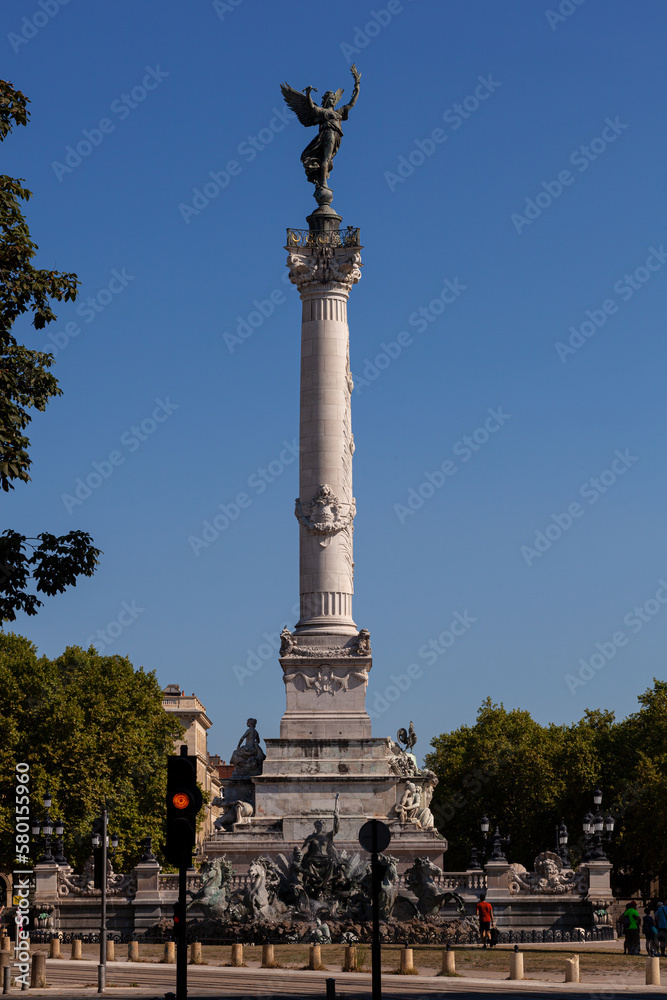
325, 506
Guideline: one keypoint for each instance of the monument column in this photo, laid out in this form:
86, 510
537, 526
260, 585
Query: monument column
326, 659
324, 271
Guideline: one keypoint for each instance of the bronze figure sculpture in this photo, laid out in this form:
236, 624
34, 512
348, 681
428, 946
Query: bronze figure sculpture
318, 155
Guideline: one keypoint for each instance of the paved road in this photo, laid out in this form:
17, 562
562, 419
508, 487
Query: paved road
148, 980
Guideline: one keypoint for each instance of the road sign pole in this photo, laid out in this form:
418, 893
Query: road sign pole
376, 954
375, 837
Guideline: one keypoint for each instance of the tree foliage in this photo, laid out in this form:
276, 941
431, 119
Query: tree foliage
26, 384
528, 778
93, 730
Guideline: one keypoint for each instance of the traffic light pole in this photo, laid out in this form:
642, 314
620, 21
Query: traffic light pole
102, 967
181, 939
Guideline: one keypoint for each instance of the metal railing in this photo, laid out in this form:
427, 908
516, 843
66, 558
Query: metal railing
323, 238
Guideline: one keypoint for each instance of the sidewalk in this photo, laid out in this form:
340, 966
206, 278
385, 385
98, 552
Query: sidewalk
148, 980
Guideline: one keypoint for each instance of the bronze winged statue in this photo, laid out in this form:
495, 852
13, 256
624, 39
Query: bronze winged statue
317, 157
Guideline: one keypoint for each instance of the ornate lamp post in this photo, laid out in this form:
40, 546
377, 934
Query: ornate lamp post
493, 844
60, 858
562, 837
46, 829
597, 829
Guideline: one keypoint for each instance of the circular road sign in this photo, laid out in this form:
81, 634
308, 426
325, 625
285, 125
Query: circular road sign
382, 835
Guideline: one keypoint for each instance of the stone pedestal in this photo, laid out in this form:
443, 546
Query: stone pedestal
146, 903
496, 879
599, 883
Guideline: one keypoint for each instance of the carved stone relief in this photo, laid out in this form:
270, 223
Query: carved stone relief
325, 514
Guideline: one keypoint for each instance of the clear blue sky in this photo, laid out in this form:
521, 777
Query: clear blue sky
539, 200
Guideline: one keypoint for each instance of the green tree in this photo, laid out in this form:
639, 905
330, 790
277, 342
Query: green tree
641, 789
504, 767
52, 563
528, 778
93, 730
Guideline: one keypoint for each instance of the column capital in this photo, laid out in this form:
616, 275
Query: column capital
324, 269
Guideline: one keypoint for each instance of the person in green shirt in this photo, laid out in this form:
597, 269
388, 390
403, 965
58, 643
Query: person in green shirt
632, 924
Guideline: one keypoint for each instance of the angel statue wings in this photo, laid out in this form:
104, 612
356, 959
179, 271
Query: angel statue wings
317, 157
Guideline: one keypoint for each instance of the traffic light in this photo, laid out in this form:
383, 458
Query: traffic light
184, 800
178, 916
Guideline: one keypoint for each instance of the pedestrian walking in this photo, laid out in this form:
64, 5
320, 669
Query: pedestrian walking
485, 914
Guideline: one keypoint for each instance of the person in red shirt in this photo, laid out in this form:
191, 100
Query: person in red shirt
485, 914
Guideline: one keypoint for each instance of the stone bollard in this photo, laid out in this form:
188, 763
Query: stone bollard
76, 948
237, 955
572, 969
516, 963
350, 959
268, 956
5, 943
169, 952
5, 967
315, 957
38, 972
407, 963
448, 963
6, 979
653, 970
133, 951
54, 948
195, 953
111, 950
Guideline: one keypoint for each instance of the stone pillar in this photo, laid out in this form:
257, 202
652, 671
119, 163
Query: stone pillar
653, 970
496, 879
326, 660
599, 884
46, 882
324, 275
350, 958
407, 966
448, 963
147, 902
38, 971
572, 969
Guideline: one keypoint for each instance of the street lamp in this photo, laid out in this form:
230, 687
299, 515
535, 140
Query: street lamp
597, 829
562, 837
46, 829
101, 843
493, 844
60, 857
